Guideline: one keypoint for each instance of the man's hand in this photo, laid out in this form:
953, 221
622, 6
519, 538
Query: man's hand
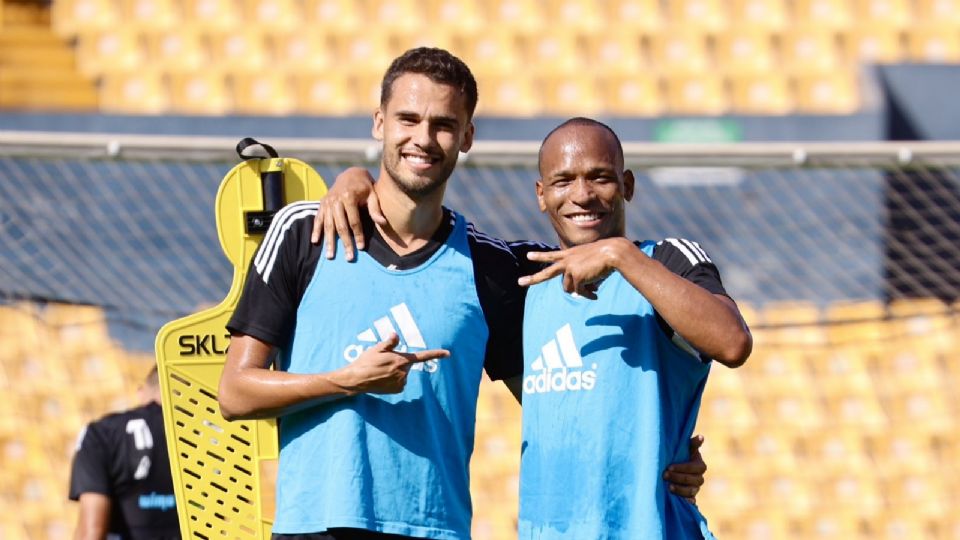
381, 370
339, 213
686, 478
583, 267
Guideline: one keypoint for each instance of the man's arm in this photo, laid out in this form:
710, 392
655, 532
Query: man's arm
93, 522
249, 389
711, 323
339, 213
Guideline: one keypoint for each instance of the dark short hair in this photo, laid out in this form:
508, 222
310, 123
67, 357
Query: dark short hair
437, 64
582, 121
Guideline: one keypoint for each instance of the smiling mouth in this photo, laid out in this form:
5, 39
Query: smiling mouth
419, 160
585, 218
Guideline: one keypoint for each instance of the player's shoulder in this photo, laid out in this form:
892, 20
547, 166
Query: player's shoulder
301, 214
681, 250
487, 245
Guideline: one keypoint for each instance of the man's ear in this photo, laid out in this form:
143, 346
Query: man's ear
468, 137
543, 206
628, 185
377, 130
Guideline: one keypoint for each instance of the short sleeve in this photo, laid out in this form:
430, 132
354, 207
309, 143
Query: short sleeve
690, 261
90, 470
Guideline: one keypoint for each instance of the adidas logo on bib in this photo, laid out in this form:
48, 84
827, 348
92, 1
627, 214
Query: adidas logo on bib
406, 327
560, 367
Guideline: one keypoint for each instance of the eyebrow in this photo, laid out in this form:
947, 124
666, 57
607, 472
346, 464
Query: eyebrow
591, 172
435, 118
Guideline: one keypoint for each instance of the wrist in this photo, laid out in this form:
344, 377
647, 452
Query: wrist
617, 251
341, 380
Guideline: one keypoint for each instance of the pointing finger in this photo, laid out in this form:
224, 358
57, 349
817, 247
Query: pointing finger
541, 276
423, 356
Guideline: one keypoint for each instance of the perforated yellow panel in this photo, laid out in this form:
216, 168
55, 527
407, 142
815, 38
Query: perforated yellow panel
223, 471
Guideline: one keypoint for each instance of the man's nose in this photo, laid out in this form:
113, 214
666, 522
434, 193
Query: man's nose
582, 191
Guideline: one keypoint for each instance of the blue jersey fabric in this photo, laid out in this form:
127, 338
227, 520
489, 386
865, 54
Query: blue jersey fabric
391, 463
609, 401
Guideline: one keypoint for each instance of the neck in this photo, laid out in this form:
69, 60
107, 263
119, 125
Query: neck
410, 222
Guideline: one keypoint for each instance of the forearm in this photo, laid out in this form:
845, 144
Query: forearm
249, 393
249, 389
710, 323
94, 517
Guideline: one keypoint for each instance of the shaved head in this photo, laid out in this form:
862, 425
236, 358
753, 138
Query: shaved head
578, 122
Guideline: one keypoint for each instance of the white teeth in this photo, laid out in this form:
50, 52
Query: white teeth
585, 217
418, 159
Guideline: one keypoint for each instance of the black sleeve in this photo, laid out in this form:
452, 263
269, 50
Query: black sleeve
502, 299
278, 275
90, 472
520, 248
691, 262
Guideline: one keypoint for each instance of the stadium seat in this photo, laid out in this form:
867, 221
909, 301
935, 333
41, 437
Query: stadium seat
771, 450
905, 450
70, 17
117, 50
183, 50
793, 324
397, 16
902, 522
726, 494
636, 15
203, 93
706, 15
493, 53
571, 95
302, 52
460, 17
264, 93
810, 50
364, 53
213, 14
857, 322
768, 15
785, 493
680, 51
927, 410
704, 94
832, 524
239, 51
632, 95
150, 14
581, 17
925, 322
725, 404
433, 36
945, 12
509, 95
844, 369
553, 54
327, 94
937, 43
908, 367
338, 17
892, 14
615, 54
834, 14
520, 17
847, 494
832, 93
764, 94
925, 494
833, 451
274, 15
745, 52
873, 44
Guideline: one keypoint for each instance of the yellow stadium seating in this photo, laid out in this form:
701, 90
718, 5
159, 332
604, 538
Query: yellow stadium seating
462, 17
937, 11
213, 14
836, 14
704, 94
764, 93
636, 15
614, 54
793, 324
69, 17
632, 95
140, 92
364, 53
520, 17
893, 14
769, 15
397, 16
873, 44
810, 50
239, 51
834, 451
509, 95
934, 43
725, 403
183, 50
745, 51
572, 96
302, 52
114, 50
150, 14
831, 93
582, 17
325, 94
263, 93
274, 15
554, 55
339, 17
708, 15
680, 51
493, 53
203, 93
860, 322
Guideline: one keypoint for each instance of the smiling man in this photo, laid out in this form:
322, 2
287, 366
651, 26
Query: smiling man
618, 340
